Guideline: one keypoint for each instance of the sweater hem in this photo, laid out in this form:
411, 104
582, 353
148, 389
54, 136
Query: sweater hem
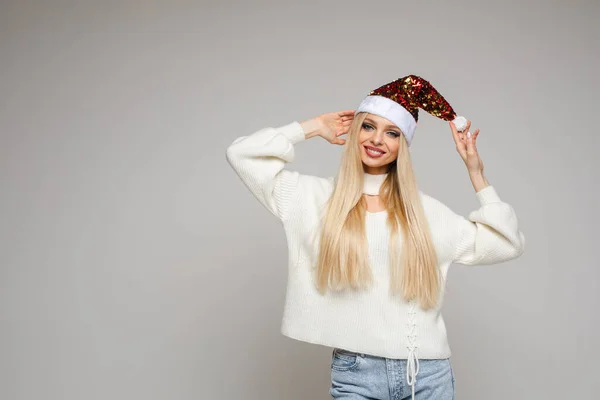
293, 131
488, 195
312, 340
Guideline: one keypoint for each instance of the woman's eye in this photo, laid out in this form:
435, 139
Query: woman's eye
392, 133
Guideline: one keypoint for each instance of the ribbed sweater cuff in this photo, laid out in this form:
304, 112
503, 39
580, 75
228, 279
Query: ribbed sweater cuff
293, 131
488, 195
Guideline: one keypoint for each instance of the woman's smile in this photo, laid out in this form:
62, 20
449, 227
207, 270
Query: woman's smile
374, 152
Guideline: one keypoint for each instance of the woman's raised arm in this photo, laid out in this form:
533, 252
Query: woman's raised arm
259, 159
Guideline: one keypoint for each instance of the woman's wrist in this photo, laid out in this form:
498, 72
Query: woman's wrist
311, 127
478, 180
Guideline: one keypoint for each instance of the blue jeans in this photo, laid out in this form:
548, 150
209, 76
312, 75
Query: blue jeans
363, 376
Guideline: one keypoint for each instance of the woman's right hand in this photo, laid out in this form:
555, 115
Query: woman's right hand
330, 126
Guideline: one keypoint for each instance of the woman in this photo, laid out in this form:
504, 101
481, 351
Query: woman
368, 251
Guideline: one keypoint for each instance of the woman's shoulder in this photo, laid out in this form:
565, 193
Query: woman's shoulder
316, 182
312, 194
435, 208
315, 187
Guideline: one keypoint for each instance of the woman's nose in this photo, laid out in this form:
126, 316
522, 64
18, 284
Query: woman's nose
377, 137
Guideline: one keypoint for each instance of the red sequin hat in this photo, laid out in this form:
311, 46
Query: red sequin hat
399, 101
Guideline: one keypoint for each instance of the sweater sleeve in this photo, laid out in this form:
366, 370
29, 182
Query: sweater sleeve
259, 160
490, 234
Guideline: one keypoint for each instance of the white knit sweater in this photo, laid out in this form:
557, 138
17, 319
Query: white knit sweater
368, 322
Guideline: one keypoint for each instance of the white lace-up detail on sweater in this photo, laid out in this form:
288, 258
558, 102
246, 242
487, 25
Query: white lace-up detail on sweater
412, 362
370, 321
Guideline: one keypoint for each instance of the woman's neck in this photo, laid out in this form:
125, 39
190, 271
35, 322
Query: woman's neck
372, 183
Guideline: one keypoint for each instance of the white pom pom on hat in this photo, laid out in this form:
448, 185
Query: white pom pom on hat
460, 123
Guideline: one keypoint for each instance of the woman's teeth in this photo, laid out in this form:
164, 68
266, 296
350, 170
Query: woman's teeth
374, 153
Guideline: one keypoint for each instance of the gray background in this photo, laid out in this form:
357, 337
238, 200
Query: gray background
136, 265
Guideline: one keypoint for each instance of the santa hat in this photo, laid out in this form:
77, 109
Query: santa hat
399, 101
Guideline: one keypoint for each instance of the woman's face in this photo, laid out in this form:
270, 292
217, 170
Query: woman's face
379, 140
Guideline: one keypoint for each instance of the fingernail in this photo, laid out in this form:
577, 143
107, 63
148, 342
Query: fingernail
469, 134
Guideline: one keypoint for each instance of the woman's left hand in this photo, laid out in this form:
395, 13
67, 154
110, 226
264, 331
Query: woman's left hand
467, 148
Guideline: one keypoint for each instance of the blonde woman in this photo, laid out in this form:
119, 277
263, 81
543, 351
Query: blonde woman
368, 251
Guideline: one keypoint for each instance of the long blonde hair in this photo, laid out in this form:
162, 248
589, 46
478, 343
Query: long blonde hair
343, 260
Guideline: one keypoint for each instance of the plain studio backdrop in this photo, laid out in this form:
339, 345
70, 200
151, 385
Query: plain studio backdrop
136, 265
